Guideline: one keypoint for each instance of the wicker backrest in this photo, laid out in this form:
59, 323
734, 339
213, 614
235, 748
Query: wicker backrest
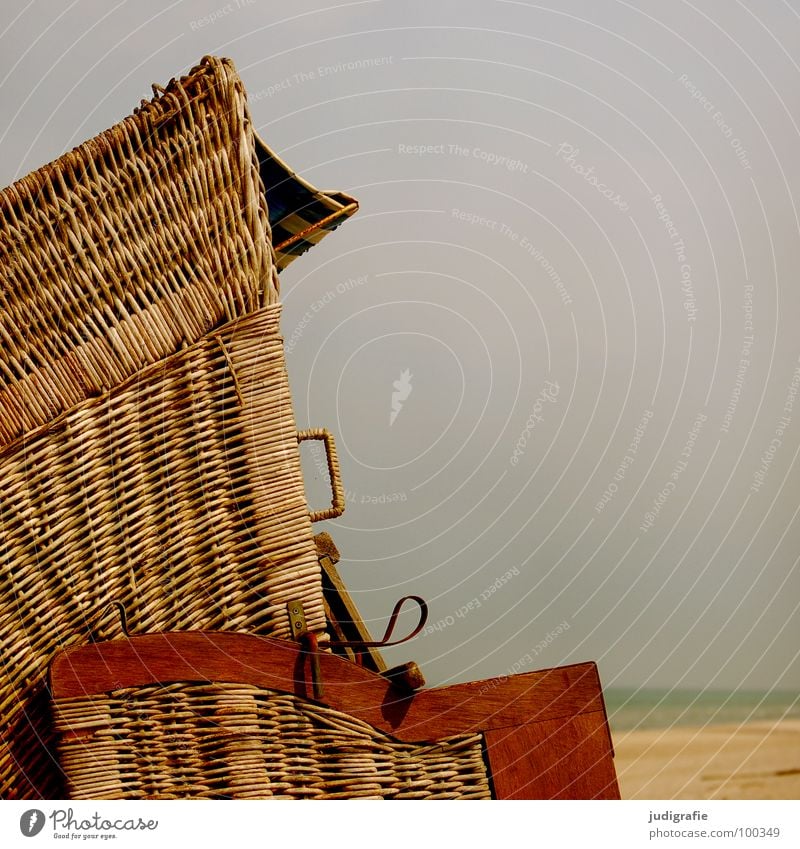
179, 494
136, 242
226, 740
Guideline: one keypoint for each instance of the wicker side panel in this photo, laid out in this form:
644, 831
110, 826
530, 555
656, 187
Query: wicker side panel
142, 239
179, 494
203, 741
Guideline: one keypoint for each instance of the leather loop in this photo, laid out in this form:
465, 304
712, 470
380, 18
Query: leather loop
386, 641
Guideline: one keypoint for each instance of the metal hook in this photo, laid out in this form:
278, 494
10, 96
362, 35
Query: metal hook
123, 619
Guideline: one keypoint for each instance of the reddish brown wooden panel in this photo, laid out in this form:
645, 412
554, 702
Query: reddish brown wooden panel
568, 758
275, 664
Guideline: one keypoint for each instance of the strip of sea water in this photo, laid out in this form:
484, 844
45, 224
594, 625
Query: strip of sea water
630, 709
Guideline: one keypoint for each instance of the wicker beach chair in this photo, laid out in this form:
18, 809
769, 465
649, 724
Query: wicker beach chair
148, 450
149, 459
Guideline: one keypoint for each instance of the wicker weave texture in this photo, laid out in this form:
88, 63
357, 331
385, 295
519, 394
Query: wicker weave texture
136, 242
189, 740
179, 494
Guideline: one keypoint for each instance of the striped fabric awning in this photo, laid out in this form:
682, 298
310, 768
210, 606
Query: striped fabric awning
299, 214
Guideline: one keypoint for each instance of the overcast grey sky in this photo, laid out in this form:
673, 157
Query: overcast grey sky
578, 239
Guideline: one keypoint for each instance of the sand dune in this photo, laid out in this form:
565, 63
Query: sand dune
758, 760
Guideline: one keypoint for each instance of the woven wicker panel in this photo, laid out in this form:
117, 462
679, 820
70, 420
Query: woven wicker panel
179, 494
187, 740
137, 241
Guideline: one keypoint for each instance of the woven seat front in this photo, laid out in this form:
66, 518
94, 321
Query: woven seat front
190, 740
179, 494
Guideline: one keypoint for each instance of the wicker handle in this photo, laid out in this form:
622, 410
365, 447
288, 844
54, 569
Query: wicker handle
337, 490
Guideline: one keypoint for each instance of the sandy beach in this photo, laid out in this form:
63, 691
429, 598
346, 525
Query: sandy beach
758, 760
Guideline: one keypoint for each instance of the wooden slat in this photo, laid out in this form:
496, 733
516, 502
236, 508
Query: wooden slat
280, 665
343, 615
336, 631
